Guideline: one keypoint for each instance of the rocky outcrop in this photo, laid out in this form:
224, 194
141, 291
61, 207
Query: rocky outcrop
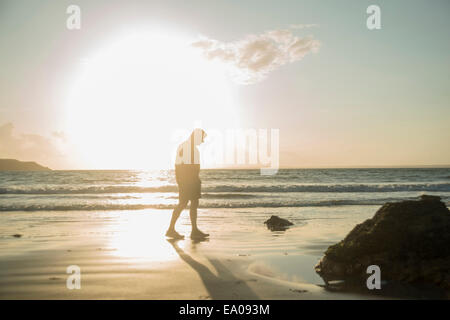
276, 223
16, 165
408, 240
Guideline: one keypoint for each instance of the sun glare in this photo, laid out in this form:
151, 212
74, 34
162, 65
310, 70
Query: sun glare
131, 95
141, 236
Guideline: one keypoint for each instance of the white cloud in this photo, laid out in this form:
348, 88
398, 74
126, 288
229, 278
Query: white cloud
30, 147
254, 57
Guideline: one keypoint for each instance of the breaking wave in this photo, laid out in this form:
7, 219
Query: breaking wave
432, 187
203, 205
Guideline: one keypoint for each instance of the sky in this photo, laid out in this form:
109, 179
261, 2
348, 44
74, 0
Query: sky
120, 92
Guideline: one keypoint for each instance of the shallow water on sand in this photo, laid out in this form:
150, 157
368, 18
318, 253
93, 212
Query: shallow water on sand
139, 235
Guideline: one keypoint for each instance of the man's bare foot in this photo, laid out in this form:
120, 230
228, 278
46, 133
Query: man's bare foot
197, 234
174, 235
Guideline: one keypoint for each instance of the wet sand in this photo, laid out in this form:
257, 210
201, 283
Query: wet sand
124, 255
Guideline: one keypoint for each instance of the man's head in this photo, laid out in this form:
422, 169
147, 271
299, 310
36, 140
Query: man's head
198, 136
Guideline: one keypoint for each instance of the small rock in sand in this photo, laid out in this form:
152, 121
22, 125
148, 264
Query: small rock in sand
17, 235
276, 223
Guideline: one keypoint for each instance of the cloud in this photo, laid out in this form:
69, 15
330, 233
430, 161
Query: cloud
254, 57
30, 147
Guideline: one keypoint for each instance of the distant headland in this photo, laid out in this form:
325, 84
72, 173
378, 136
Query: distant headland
16, 165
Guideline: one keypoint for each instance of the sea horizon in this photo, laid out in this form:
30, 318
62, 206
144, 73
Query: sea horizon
280, 168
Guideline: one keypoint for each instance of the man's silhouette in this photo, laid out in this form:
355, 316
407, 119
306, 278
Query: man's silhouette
187, 169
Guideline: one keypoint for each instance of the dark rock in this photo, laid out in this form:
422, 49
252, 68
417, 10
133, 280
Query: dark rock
426, 197
408, 240
17, 235
276, 223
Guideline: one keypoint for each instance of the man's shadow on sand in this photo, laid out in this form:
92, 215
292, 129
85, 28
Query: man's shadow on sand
225, 285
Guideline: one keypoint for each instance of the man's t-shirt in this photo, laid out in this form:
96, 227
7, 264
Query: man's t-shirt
187, 163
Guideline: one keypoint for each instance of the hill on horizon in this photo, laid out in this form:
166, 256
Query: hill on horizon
16, 165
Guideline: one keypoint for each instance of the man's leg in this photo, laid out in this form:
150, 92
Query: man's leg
196, 233
175, 215
193, 214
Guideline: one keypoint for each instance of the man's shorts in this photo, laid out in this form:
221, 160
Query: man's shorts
189, 191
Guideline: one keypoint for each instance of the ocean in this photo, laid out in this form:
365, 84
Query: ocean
290, 188
131, 209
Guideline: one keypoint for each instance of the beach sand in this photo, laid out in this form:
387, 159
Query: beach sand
124, 255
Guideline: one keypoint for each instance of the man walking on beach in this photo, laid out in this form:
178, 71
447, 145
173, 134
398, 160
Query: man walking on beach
187, 170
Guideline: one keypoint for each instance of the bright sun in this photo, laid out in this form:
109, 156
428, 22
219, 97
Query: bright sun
130, 98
